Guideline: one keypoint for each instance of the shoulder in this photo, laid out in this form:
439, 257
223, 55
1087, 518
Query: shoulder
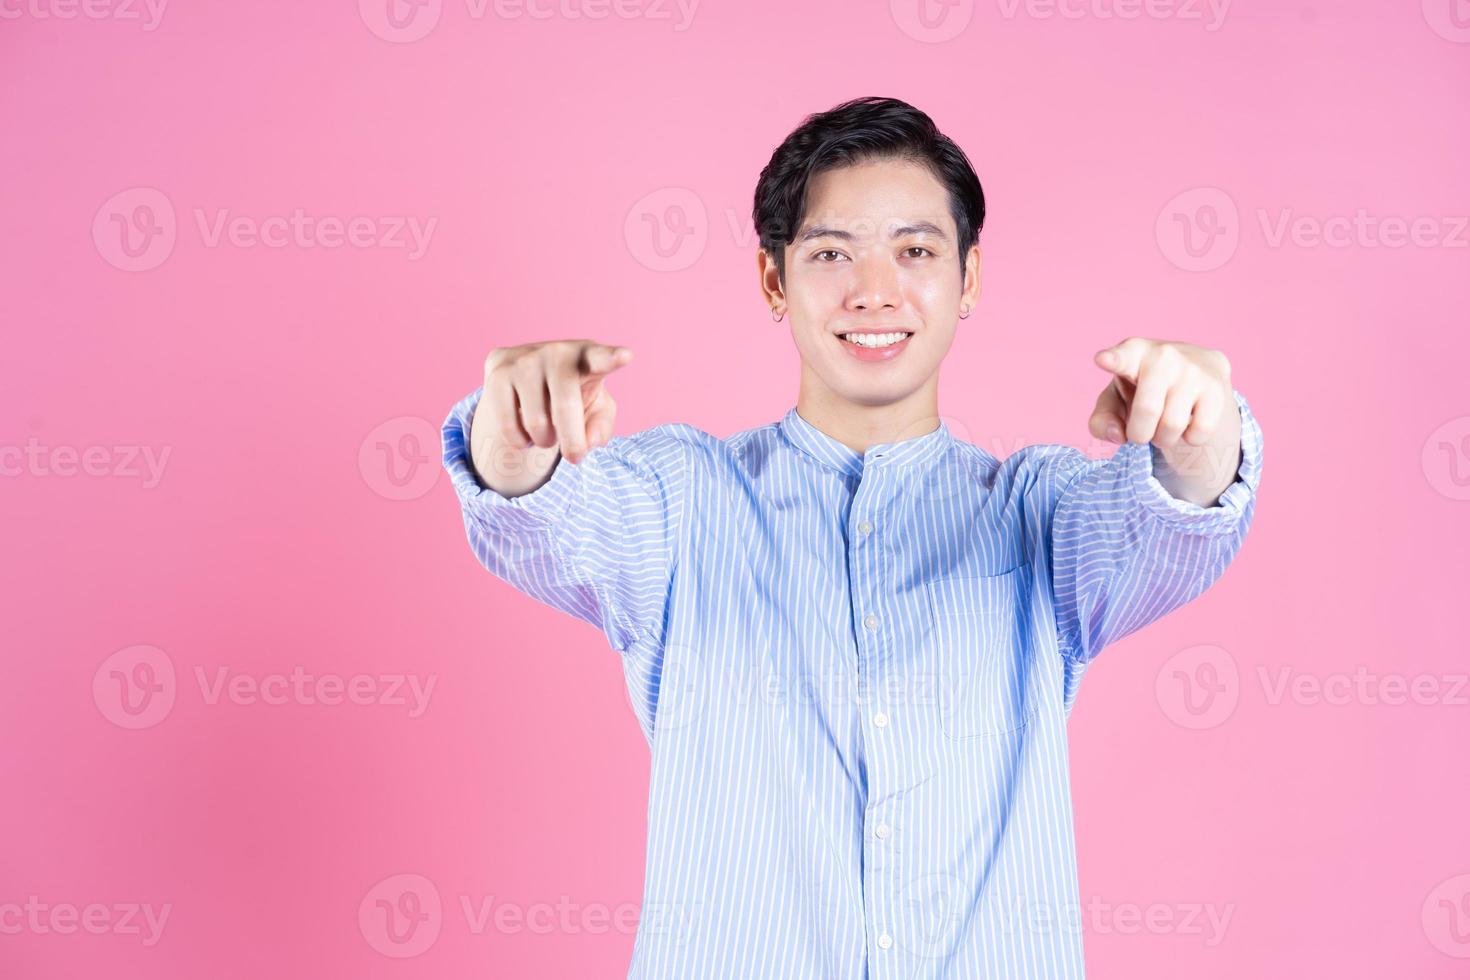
706, 452
1039, 470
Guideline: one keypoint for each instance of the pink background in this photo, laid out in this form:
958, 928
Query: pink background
281, 380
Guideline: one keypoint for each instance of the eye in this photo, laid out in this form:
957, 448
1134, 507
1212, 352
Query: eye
827, 251
918, 248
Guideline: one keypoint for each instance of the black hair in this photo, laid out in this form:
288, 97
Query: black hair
857, 131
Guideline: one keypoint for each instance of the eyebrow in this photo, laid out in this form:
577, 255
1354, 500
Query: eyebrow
918, 228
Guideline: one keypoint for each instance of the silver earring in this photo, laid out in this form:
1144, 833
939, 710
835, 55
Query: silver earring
778, 319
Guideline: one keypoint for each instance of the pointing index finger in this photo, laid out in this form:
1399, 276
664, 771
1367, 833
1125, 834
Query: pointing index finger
1124, 359
599, 359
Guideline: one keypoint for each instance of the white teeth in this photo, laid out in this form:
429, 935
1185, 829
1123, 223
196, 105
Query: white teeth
875, 339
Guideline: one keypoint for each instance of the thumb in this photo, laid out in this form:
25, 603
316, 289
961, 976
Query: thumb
599, 422
1109, 418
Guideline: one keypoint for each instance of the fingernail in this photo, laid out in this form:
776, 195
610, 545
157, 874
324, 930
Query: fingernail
1115, 433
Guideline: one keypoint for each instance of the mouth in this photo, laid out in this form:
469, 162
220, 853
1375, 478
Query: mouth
870, 345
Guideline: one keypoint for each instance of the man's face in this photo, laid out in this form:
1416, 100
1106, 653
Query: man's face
876, 251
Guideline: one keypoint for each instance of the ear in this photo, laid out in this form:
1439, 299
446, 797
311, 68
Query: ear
970, 291
770, 278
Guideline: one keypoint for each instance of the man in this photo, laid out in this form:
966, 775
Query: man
852, 640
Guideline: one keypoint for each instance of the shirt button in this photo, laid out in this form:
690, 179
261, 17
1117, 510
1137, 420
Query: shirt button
882, 830
866, 527
884, 941
880, 720
870, 621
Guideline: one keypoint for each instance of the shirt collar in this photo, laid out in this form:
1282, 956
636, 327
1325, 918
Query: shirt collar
838, 456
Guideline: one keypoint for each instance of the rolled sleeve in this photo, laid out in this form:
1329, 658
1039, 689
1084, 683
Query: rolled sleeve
598, 540
1124, 551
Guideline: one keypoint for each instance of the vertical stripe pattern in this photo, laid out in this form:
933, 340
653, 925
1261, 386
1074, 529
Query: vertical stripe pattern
853, 671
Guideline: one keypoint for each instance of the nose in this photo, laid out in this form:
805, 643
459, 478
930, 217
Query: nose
875, 286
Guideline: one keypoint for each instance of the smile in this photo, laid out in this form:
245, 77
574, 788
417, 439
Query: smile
875, 346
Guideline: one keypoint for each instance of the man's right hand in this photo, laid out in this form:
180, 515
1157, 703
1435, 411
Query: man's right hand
539, 402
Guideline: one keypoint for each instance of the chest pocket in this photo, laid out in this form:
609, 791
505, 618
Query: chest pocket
980, 658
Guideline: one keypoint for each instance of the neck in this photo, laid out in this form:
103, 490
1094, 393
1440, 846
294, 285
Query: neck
858, 425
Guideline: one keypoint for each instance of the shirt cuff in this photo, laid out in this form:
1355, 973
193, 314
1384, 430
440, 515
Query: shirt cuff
540, 507
1233, 504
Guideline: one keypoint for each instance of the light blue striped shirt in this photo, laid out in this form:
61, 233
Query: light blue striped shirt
854, 671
